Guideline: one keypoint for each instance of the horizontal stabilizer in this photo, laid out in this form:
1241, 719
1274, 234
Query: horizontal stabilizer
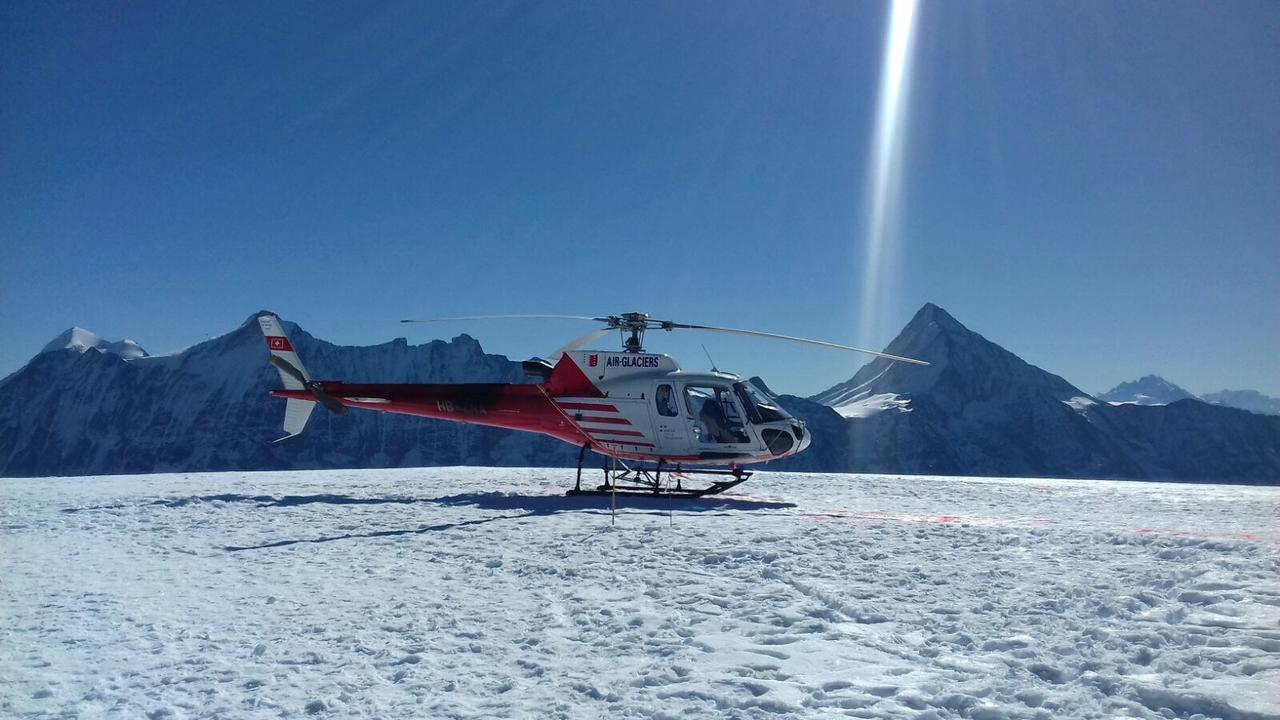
296, 414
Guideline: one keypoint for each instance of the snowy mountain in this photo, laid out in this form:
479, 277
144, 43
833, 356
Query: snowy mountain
1250, 400
81, 340
1155, 390
1148, 390
83, 406
978, 409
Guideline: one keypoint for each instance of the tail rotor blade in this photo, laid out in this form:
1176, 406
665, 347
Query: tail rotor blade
329, 402
288, 367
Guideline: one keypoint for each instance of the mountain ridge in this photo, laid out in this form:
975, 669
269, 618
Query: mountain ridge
1250, 400
208, 408
979, 409
1155, 390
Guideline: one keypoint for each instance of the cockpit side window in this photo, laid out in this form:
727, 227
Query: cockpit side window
666, 399
716, 415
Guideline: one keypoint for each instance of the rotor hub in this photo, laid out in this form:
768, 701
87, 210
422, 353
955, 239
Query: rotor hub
632, 326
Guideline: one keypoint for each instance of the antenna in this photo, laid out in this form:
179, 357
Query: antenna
713, 362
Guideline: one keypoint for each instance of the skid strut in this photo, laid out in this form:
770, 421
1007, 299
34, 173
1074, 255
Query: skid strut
620, 479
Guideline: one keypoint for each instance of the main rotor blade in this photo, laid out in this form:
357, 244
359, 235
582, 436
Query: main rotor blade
500, 317
589, 337
776, 336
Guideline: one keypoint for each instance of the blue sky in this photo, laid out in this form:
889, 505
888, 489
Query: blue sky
1093, 185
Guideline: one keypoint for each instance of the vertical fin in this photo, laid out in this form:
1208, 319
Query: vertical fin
296, 411
567, 379
279, 346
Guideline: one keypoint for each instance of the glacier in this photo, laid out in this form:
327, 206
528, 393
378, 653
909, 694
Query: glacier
483, 592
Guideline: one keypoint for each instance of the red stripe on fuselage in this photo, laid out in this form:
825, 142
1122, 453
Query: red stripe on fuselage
602, 420
586, 406
626, 433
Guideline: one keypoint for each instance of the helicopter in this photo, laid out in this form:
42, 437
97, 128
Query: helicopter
630, 406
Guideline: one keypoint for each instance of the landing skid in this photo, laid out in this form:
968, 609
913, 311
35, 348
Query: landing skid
651, 482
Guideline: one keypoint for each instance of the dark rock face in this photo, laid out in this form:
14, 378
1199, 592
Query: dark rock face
1195, 441
977, 410
981, 410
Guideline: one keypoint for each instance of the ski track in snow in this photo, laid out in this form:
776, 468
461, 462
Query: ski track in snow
481, 592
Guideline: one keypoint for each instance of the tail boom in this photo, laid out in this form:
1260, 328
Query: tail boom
513, 407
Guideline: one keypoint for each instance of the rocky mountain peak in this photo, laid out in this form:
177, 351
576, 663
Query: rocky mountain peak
80, 340
964, 367
1146, 390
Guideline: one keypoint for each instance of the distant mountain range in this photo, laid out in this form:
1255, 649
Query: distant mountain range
85, 406
1250, 400
1155, 390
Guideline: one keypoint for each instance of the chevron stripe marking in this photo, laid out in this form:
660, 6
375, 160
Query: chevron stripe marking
626, 433
587, 406
604, 420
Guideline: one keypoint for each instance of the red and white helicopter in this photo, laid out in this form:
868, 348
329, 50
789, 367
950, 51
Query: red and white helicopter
628, 406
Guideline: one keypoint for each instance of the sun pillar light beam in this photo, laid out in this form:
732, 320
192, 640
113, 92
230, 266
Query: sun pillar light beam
884, 185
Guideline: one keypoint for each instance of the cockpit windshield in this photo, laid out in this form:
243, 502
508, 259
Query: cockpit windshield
760, 407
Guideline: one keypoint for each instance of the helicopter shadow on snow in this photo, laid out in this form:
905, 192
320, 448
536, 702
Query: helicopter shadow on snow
543, 504
536, 504
532, 506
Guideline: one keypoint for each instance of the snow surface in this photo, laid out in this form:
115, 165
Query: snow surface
1081, 403
469, 592
1138, 399
843, 393
865, 407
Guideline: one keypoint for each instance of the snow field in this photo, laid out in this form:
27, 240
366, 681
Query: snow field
481, 592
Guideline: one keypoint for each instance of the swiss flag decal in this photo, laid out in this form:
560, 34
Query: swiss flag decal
276, 342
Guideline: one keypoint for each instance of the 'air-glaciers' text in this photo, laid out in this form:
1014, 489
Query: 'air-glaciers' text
641, 361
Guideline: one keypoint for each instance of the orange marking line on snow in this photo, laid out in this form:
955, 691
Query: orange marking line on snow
848, 514
1251, 537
